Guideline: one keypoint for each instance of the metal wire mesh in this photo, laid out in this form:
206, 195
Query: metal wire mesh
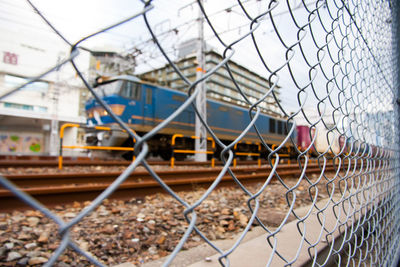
340, 57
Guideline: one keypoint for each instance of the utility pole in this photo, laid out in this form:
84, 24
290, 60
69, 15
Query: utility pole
201, 100
54, 138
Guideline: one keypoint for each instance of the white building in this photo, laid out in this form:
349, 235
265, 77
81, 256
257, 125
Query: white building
30, 118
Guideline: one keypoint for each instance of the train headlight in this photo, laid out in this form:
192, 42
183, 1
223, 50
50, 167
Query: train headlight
90, 114
117, 109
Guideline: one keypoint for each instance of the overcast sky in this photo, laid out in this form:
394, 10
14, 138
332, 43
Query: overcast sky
174, 21
76, 19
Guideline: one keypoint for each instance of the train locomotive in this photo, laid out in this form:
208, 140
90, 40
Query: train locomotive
143, 105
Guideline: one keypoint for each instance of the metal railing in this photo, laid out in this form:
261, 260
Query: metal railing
99, 128
237, 153
337, 62
191, 151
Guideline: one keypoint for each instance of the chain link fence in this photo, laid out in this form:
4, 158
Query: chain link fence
340, 61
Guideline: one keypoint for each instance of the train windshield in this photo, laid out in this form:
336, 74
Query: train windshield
130, 90
124, 88
111, 88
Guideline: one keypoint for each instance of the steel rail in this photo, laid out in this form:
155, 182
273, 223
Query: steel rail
26, 180
88, 162
58, 187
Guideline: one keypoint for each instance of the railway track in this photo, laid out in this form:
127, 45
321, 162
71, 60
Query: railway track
7, 163
61, 188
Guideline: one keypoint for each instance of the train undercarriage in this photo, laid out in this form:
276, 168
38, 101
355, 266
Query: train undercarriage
162, 146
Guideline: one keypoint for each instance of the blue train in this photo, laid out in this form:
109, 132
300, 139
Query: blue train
142, 106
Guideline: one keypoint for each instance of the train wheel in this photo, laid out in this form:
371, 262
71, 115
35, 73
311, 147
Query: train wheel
165, 154
128, 155
180, 156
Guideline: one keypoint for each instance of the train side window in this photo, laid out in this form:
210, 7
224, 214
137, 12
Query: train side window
280, 127
135, 90
131, 90
149, 96
178, 98
272, 128
126, 90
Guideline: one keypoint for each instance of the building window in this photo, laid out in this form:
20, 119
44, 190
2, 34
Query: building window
18, 106
11, 81
25, 107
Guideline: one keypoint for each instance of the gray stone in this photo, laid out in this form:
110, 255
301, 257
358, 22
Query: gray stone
13, 255
62, 264
26, 229
127, 264
33, 254
30, 245
24, 236
9, 245
3, 225
23, 261
69, 215
16, 241
33, 221
196, 239
153, 250
18, 217
2, 251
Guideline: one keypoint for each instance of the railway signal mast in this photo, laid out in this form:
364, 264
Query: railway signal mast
200, 130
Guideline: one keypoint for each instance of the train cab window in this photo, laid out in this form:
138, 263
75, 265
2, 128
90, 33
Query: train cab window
111, 88
130, 90
272, 127
280, 127
149, 96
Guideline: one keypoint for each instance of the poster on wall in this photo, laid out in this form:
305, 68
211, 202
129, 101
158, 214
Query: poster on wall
21, 143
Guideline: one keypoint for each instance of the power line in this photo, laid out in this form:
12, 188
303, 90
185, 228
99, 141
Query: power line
40, 26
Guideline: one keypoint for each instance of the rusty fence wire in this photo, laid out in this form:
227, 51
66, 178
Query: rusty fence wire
341, 58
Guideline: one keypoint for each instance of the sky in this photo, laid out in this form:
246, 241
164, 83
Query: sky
175, 21
76, 19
